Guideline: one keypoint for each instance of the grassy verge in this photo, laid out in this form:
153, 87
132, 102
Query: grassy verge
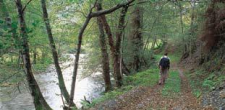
201, 80
172, 84
146, 78
196, 82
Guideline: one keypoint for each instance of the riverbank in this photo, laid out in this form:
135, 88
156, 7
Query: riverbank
90, 87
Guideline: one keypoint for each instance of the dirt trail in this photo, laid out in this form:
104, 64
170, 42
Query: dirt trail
151, 98
187, 100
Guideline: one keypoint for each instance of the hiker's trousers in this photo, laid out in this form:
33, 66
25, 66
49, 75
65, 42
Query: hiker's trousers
163, 75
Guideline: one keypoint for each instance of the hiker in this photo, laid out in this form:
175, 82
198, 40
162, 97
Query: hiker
164, 66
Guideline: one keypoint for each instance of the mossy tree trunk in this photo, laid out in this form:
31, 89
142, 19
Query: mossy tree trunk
105, 56
135, 38
115, 47
39, 101
62, 85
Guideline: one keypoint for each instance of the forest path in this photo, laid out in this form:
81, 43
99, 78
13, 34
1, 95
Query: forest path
153, 98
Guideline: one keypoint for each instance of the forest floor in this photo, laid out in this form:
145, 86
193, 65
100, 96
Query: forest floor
176, 94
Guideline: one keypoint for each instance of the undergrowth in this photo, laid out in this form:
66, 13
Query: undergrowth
10, 75
204, 81
13, 73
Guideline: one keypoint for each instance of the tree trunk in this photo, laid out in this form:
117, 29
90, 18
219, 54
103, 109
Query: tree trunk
192, 31
43, 56
80, 36
112, 49
115, 49
11, 59
35, 56
125, 70
117, 55
76, 62
39, 101
54, 53
136, 37
105, 56
182, 27
154, 43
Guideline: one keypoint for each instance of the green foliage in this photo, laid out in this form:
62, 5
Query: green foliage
209, 82
160, 45
196, 82
203, 81
145, 78
197, 93
40, 67
158, 57
10, 74
74, 108
175, 57
172, 84
214, 79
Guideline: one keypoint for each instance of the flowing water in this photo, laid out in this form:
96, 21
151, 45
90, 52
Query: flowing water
90, 87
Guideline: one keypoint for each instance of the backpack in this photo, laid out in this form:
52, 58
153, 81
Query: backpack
165, 62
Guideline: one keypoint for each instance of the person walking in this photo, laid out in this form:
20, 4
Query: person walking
164, 66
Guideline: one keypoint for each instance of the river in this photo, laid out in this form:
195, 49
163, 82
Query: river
90, 87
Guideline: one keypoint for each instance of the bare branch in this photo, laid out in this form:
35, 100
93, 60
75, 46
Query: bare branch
141, 2
103, 12
26, 5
